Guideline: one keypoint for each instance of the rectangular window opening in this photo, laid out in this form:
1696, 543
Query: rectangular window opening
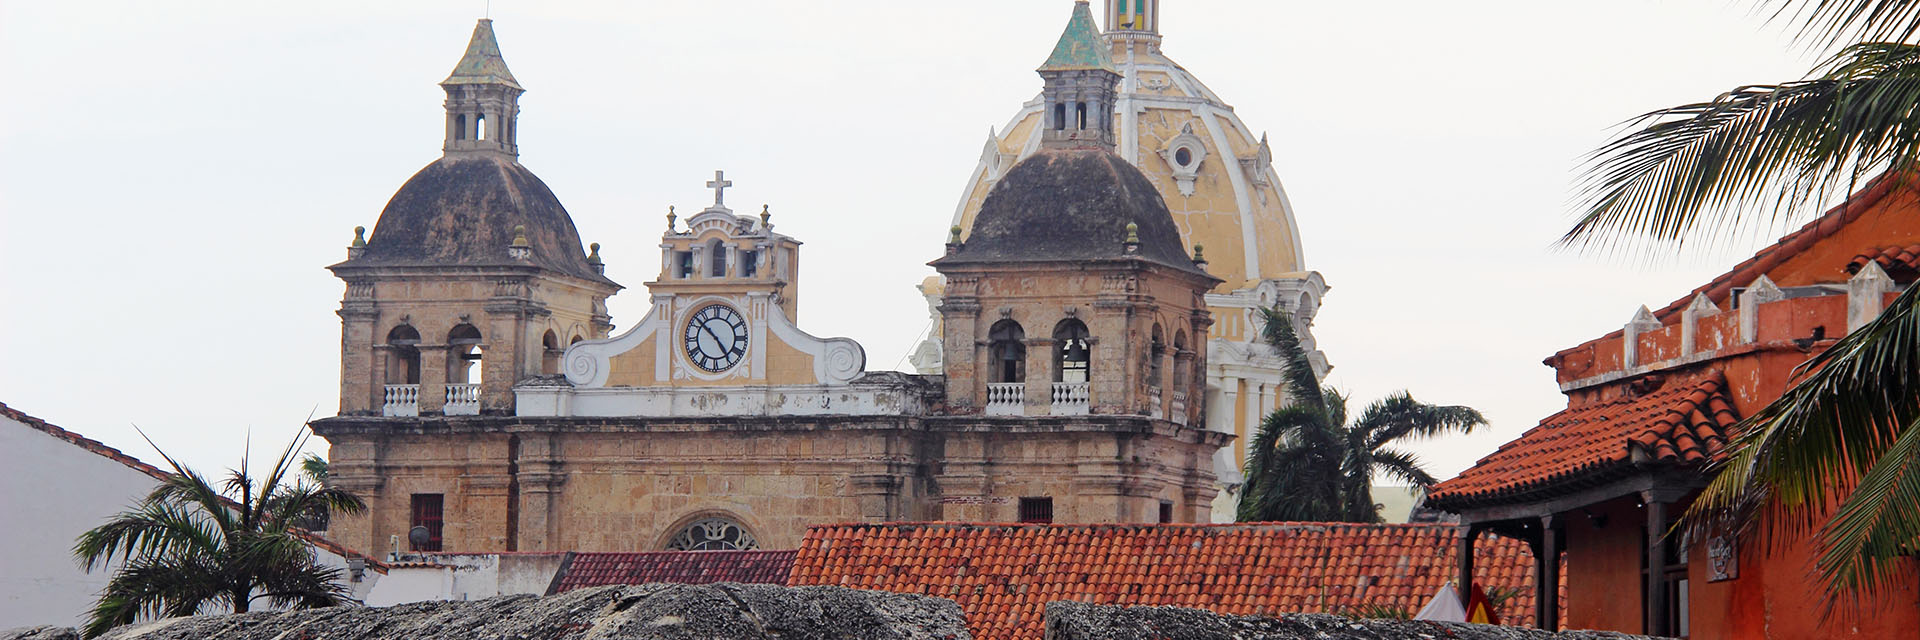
1166, 511
683, 264
427, 512
749, 264
1036, 510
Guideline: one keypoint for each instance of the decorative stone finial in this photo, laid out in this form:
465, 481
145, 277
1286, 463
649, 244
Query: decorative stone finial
1133, 237
359, 245
520, 249
670, 218
1200, 257
766, 218
593, 258
953, 240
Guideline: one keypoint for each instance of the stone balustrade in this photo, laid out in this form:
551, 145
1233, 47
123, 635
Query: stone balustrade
1006, 398
462, 400
1070, 398
402, 401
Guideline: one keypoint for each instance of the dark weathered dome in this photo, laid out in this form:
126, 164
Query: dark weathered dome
1072, 204
462, 210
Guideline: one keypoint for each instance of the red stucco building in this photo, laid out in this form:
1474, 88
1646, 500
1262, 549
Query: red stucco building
1649, 407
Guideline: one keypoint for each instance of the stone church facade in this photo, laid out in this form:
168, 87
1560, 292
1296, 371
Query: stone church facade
485, 404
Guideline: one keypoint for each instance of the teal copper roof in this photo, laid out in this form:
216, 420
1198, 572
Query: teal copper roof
1080, 46
482, 63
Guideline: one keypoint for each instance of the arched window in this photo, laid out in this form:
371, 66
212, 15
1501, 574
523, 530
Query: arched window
463, 351
1060, 117
1080, 115
713, 534
717, 258
403, 355
460, 127
480, 127
1007, 352
1156, 357
1072, 353
1179, 360
549, 353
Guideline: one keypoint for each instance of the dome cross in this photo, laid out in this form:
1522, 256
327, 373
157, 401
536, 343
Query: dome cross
719, 185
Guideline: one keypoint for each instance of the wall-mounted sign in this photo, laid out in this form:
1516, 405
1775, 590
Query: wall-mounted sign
1723, 559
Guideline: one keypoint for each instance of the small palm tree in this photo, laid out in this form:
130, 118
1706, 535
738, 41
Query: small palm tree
1310, 464
1844, 433
189, 546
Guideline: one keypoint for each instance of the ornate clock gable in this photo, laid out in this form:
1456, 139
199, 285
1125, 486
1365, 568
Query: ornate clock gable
722, 315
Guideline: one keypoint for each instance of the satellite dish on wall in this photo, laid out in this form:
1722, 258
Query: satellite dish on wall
418, 537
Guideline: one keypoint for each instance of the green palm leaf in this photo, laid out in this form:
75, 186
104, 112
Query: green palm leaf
1765, 151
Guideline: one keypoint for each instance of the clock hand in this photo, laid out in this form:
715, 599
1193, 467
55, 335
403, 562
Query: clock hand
716, 337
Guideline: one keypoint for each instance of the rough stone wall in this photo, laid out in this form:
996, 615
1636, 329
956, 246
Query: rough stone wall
648, 612
630, 484
1081, 621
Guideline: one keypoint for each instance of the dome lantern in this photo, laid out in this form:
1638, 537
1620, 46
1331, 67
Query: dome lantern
1080, 86
483, 100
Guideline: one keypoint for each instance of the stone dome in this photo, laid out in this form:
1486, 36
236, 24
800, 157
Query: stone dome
1214, 172
462, 210
1072, 204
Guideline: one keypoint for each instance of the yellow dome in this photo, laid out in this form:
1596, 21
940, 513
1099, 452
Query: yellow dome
1215, 174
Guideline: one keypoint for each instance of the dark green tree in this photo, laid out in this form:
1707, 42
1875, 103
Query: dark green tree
1756, 156
192, 546
1308, 463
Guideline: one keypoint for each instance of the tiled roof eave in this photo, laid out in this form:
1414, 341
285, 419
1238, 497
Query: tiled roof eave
1558, 486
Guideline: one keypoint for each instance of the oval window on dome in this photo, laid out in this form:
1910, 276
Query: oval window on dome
1183, 157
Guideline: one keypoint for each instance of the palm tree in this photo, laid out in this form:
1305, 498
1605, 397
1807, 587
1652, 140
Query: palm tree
189, 546
1309, 464
1756, 155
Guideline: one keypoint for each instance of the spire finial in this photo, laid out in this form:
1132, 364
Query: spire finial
1200, 257
766, 218
593, 258
670, 218
1133, 237
359, 236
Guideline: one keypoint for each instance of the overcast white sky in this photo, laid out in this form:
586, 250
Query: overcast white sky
174, 176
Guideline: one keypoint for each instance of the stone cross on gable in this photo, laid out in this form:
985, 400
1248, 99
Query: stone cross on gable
719, 186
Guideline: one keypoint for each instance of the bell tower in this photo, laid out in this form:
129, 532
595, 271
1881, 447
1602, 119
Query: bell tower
473, 279
1080, 87
483, 99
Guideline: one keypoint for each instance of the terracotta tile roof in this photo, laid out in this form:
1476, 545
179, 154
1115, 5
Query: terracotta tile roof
1682, 423
1903, 263
581, 570
110, 453
1004, 574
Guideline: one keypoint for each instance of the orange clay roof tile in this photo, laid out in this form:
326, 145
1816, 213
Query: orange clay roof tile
1681, 423
1241, 569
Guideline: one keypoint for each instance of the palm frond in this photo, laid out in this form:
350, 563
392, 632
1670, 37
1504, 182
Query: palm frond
148, 529
1402, 466
1828, 22
1758, 153
1399, 416
1276, 328
1827, 439
1878, 525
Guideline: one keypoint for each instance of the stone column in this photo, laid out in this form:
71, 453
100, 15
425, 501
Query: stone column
1464, 579
1546, 575
360, 392
539, 477
1657, 619
959, 312
433, 378
1040, 374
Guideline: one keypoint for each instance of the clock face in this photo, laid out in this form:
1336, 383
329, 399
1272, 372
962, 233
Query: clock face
716, 338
